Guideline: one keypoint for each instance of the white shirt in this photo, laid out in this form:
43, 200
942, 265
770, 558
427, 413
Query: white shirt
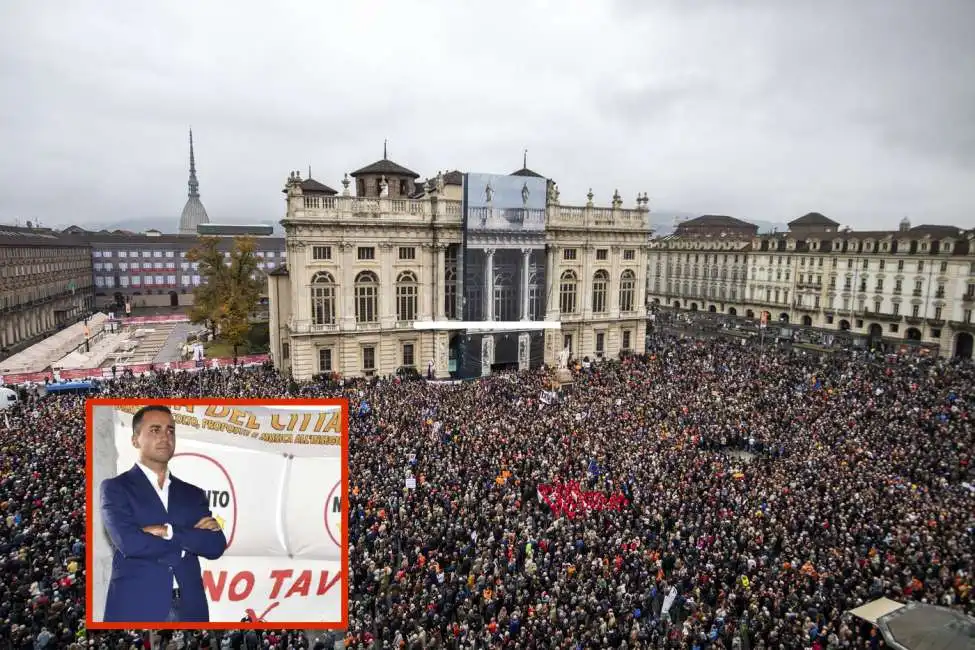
163, 494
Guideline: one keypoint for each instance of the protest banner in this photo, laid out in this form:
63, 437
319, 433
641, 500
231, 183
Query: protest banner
275, 476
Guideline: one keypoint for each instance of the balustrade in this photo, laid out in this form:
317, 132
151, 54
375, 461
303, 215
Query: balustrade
339, 207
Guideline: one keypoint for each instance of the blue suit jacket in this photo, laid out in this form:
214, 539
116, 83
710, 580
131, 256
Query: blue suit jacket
143, 565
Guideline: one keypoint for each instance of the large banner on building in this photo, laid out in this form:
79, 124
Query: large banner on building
275, 482
505, 203
503, 270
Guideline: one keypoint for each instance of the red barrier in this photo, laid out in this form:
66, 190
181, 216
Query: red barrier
137, 369
158, 318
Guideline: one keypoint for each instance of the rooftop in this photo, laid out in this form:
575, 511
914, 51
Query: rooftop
813, 219
384, 167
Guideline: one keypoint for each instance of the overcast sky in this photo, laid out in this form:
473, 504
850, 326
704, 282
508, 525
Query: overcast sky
765, 110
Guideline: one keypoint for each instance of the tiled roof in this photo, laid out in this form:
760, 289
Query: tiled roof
524, 171
716, 220
385, 167
813, 219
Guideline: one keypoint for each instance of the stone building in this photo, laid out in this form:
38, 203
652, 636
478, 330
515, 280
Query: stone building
150, 269
912, 286
376, 281
45, 284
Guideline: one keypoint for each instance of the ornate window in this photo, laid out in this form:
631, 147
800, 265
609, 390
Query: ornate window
600, 284
366, 297
450, 293
505, 302
406, 296
568, 287
322, 299
534, 297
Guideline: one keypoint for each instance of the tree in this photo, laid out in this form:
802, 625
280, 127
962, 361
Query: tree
229, 289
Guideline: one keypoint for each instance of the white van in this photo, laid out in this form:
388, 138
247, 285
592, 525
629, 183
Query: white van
8, 398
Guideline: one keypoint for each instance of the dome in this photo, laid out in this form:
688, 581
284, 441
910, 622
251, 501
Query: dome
193, 215
193, 212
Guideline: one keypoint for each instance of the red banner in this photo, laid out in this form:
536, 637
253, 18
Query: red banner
137, 369
569, 499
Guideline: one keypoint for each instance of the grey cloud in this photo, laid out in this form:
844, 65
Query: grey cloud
765, 109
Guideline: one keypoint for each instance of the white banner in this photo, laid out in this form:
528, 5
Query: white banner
277, 491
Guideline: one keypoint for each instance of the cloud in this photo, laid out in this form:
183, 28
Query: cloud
763, 110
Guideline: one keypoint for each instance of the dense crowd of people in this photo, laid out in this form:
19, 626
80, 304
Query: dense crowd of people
758, 498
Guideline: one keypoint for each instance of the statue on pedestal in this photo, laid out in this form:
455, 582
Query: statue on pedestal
564, 358
383, 188
525, 193
488, 192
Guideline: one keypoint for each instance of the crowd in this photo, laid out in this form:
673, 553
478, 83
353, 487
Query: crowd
765, 495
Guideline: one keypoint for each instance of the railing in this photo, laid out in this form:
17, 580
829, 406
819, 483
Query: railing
134, 368
554, 215
374, 207
309, 327
491, 218
564, 215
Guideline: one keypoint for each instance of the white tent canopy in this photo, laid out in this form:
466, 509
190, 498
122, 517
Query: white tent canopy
871, 612
919, 626
41, 355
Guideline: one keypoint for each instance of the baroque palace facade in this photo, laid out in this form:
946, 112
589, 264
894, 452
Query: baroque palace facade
912, 286
364, 270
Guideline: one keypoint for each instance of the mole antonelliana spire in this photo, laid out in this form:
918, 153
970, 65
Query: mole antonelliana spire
193, 212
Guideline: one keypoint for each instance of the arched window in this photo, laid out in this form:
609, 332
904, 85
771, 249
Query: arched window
600, 284
322, 299
568, 286
450, 293
534, 298
627, 290
505, 303
406, 297
366, 297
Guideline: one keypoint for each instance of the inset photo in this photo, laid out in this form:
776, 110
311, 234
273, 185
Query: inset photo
224, 514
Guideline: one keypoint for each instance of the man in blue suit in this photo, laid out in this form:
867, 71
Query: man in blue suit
160, 526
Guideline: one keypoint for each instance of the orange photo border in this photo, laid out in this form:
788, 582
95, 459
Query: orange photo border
90, 405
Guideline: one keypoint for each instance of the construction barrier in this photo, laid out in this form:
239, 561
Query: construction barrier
158, 318
136, 368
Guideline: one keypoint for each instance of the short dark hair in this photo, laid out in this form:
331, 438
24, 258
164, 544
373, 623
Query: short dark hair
141, 413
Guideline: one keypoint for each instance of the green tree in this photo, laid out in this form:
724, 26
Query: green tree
229, 288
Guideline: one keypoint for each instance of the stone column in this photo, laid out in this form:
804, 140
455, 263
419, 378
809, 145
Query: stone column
489, 284
525, 277
346, 296
585, 284
441, 275
387, 286
551, 283
300, 296
614, 283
